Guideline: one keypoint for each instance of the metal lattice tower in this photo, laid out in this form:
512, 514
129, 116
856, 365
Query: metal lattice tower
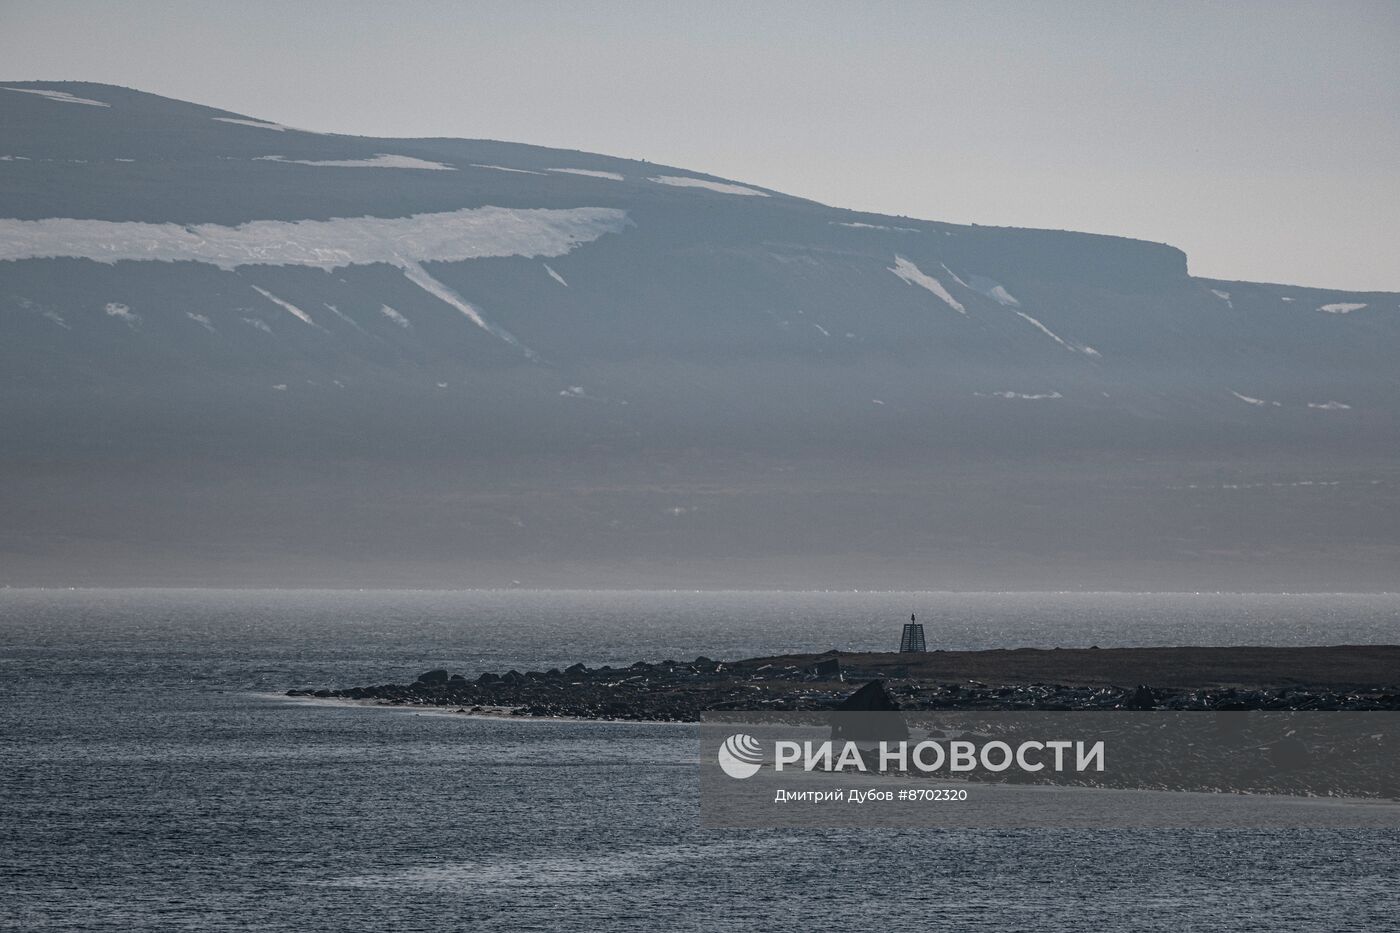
913, 637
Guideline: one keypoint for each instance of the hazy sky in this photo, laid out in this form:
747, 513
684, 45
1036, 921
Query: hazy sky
1261, 137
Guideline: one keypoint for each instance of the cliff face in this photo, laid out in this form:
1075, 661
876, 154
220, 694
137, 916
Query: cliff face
478, 356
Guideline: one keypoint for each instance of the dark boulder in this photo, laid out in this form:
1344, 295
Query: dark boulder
873, 697
438, 676
883, 724
1141, 698
827, 667
488, 678
575, 670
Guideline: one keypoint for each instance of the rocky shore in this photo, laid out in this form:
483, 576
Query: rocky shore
1364, 677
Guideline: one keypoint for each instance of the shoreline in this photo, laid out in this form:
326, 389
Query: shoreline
1340, 677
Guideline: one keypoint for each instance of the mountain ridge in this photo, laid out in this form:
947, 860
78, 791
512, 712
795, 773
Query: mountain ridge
184, 289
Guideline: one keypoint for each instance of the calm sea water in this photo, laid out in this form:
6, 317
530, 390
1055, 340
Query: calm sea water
151, 779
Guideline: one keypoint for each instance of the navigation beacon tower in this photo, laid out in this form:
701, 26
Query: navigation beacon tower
913, 637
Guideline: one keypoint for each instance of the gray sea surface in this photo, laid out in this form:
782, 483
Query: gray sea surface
152, 779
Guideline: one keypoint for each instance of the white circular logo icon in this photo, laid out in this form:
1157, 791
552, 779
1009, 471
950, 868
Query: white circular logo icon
740, 756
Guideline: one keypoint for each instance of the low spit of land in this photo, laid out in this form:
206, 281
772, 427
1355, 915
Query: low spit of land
1342, 677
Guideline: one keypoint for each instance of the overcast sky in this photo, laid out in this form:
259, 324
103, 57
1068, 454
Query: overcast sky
1262, 138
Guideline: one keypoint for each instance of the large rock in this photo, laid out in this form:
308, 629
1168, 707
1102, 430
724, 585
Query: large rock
873, 697
881, 722
1141, 698
438, 676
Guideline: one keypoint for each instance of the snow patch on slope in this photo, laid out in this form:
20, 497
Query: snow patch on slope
202, 321
380, 160
681, 181
258, 124
1257, 402
62, 97
1329, 406
555, 275
287, 306
591, 173
122, 313
1223, 296
1026, 396
856, 225
1043, 329
506, 168
994, 291
344, 317
1341, 307
913, 275
420, 277
394, 315
453, 236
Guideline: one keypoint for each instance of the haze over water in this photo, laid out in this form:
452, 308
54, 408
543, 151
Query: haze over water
151, 777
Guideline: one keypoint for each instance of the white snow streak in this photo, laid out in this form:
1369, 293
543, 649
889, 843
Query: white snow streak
1249, 400
506, 168
1027, 396
681, 181
1329, 406
555, 276
1071, 347
1223, 296
452, 236
611, 176
380, 160
912, 275
259, 124
287, 306
202, 321
62, 97
857, 225
344, 317
259, 323
825, 332
1341, 307
394, 316
420, 277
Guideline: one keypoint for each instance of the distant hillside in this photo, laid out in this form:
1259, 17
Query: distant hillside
237, 352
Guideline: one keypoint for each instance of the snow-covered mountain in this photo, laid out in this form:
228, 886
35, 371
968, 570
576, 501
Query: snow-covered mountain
237, 351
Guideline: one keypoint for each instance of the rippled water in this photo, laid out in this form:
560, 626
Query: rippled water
149, 779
